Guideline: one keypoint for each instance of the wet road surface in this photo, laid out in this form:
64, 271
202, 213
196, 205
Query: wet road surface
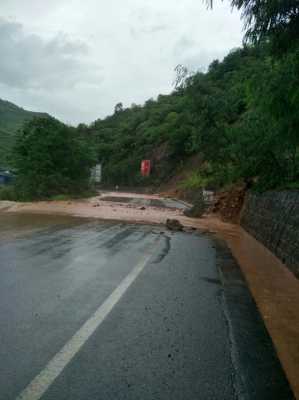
93, 310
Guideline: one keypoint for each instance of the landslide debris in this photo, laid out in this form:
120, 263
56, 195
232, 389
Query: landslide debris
228, 204
174, 225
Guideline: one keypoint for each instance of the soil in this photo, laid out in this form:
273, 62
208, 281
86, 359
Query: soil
228, 204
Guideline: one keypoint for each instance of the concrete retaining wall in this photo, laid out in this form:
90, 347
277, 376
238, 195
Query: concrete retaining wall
273, 219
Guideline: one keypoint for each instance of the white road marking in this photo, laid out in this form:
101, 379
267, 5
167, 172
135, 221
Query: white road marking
53, 369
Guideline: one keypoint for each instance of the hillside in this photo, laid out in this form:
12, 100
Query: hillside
240, 118
12, 118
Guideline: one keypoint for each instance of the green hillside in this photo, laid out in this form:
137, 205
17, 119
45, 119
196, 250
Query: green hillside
240, 117
12, 118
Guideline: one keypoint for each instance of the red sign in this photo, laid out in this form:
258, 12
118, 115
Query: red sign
145, 167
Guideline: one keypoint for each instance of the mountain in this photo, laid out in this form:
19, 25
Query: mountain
12, 119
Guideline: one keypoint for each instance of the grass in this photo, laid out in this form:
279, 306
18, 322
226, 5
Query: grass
194, 181
72, 196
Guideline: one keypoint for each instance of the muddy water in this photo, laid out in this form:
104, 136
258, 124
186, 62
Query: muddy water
18, 225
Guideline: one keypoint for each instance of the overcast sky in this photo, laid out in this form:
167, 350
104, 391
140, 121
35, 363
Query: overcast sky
75, 59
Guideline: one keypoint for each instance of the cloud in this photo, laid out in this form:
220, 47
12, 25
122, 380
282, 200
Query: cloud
30, 62
77, 59
194, 56
148, 30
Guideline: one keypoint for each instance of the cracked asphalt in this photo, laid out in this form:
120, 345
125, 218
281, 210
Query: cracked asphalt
184, 327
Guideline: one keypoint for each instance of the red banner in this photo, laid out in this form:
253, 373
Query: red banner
145, 167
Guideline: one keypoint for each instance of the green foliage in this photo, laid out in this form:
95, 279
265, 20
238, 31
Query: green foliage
211, 176
195, 180
241, 116
75, 195
8, 193
12, 119
274, 21
247, 121
6, 144
51, 158
139, 132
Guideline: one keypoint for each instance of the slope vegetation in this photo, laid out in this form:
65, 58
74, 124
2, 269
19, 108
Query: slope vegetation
241, 117
12, 118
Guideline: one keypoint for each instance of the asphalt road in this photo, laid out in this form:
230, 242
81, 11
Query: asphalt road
93, 310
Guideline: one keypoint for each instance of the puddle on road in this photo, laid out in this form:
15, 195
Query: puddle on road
13, 226
119, 199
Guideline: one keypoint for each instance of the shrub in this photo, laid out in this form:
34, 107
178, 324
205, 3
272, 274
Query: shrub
51, 159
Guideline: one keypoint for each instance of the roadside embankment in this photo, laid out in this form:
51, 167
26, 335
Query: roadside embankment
275, 290
273, 219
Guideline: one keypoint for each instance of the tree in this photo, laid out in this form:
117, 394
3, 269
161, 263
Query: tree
277, 20
118, 108
50, 159
181, 75
240, 117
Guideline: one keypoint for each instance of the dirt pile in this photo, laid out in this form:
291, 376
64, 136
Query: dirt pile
228, 204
